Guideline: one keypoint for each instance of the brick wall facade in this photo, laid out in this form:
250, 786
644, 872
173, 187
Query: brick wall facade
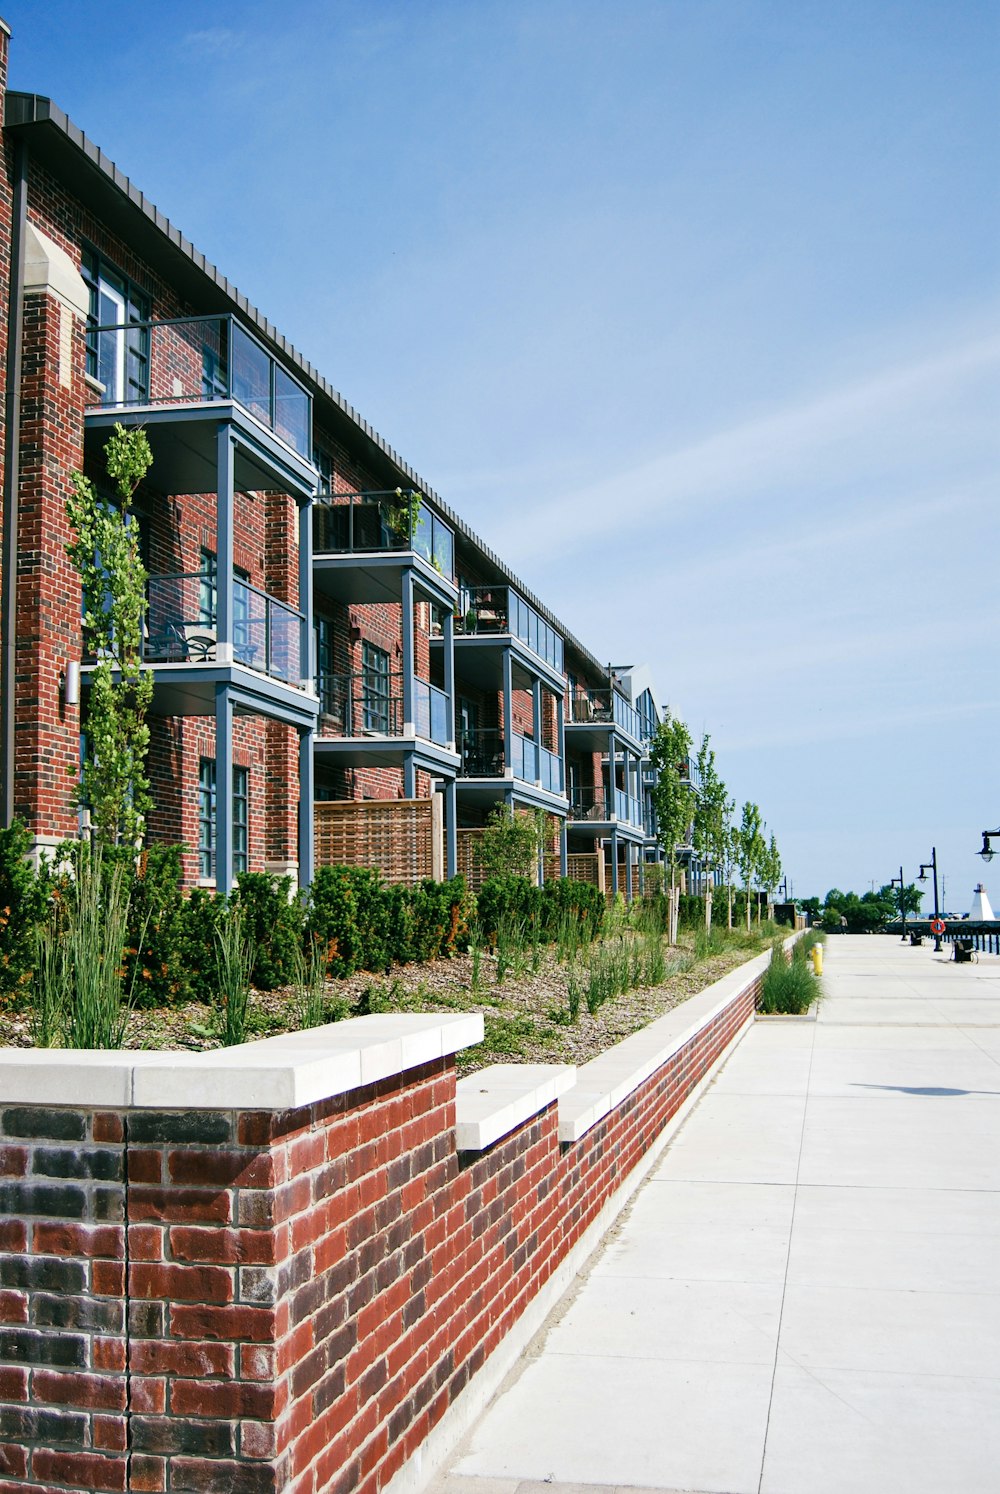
260, 1301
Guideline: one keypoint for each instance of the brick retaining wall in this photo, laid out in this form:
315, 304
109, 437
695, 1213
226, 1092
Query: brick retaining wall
250, 1299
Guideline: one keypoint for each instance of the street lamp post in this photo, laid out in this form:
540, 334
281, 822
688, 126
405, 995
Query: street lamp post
925, 867
898, 882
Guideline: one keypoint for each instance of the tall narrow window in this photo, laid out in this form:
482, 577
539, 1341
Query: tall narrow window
118, 332
375, 701
207, 809
324, 665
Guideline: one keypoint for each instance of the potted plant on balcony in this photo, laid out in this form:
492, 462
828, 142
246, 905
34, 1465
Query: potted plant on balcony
404, 514
472, 621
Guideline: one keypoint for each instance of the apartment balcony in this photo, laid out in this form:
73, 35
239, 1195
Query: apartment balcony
596, 807
264, 662
177, 379
362, 720
497, 612
592, 714
362, 543
482, 757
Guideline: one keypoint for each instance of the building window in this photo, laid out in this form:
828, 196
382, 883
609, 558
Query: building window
118, 332
207, 817
324, 665
375, 687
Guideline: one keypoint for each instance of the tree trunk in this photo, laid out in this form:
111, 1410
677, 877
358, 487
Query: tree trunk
729, 901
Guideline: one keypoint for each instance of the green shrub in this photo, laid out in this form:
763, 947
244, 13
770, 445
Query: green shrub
788, 985
201, 920
273, 925
155, 960
23, 902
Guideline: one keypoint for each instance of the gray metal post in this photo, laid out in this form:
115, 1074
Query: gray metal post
223, 790
307, 796
225, 466
409, 777
451, 828
308, 662
409, 718
563, 850
508, 709
449, 678
614, 859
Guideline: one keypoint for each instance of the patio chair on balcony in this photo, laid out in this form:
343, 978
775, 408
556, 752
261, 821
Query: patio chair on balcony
200, 643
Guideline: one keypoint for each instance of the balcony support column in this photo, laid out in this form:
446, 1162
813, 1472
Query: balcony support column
307, 664
628, 870
224, 524
448, 638
409, 717
409, 777
612, 805
307, 794
508, 710
614, 860
561, 743
451, 828
536, 710
223, 790
564, 849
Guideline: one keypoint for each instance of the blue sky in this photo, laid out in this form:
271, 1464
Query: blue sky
690, 307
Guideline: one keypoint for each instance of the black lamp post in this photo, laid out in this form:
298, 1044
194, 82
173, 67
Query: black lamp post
925, 867
898, 882
988, 852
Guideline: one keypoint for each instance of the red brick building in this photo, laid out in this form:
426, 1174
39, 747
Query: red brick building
321, 626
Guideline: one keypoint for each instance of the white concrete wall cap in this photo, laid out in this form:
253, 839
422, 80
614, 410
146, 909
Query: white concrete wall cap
607, 1080
277, 1073
494, 1101
49, 270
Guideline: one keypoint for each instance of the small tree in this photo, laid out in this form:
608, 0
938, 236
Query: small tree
770, 871
105, 552
673, 796
509, 844
750, 849
712, 808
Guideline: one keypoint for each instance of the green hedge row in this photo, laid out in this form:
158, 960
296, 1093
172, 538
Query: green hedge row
354, 919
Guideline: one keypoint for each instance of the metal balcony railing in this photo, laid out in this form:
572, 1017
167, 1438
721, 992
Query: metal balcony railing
499, 609
605, 707
481, 753
362, 705
371, 705
375, 523
196, 360
181, 626
596, 804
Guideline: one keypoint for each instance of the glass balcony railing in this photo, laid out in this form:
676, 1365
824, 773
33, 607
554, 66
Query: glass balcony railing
374, 523
195, 360
371, 705
536, 764
181, 626
605, 707
430, 709
499, 609
597, 805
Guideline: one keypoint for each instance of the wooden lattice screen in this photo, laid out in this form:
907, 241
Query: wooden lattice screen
401, 838
468, 861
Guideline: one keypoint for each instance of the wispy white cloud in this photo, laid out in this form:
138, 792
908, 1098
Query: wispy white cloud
214, 41
758, 456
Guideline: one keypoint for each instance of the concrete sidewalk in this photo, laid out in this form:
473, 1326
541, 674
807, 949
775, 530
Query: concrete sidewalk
804, 1298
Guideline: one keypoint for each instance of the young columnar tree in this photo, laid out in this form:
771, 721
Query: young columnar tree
712, 809
105, 552
673, 797
771, 869
750, 849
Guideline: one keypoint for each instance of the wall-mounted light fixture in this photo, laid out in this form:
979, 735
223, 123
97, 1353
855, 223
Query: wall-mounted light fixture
71, 684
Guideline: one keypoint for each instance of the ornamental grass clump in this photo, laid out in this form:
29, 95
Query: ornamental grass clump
234, 957
82, 997
788, 985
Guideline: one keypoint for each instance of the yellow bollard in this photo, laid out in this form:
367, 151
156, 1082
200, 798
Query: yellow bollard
817, 959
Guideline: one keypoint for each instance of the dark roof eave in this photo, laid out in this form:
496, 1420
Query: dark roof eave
59, 143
